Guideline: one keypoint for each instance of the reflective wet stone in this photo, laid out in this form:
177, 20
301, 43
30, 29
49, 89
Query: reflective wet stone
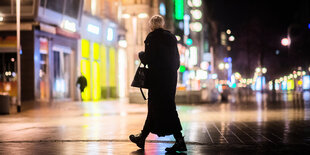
259, 123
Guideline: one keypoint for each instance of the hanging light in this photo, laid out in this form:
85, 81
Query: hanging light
195, 26
196, 14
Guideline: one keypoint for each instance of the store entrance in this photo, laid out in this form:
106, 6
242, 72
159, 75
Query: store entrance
44, 93
61, 72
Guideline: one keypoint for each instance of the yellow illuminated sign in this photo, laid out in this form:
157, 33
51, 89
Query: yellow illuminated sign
103, 67
96, 51
85, 48
290, 85
112, 71
96, 90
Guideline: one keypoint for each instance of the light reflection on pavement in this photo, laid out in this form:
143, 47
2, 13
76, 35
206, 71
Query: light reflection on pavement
256, 125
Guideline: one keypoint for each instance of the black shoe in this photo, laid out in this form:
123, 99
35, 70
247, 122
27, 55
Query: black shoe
178, 146
138, 139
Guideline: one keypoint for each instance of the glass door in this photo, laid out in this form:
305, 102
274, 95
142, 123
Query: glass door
61, 73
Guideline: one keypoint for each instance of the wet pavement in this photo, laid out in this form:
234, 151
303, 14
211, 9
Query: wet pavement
255, 125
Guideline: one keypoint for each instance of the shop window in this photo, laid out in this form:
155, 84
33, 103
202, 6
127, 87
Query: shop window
8, 74
96, 81
103, 71
112, 73
96, 91
72, 8
55, 5
7, 7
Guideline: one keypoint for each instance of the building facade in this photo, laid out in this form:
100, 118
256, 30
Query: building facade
48, 48
135, 15
101, 58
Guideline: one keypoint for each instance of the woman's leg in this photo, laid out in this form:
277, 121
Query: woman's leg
179, 143
177, 135
146, 128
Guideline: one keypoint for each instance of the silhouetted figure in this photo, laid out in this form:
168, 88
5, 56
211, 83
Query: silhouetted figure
162, 57
81, 83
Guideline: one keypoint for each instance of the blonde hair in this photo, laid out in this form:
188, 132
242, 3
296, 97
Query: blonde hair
156, 22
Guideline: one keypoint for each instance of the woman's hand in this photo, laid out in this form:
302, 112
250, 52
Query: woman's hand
141, 55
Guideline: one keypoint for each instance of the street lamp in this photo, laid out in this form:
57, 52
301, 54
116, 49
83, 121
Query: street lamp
231, 38
226, 66
221, 66
228, 31
285, 42
264, 70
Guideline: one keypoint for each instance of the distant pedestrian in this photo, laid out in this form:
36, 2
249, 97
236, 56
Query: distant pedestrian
81, 83
163, 60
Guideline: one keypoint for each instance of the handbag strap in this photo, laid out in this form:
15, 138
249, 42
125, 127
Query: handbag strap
141, 88
142, 94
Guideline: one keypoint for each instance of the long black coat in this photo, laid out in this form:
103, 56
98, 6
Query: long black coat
162, 56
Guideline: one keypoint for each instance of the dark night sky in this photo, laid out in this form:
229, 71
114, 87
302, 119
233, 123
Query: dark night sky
258, 25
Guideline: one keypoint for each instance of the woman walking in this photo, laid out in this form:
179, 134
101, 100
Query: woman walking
162, 57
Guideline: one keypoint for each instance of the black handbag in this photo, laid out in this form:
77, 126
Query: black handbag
140, 79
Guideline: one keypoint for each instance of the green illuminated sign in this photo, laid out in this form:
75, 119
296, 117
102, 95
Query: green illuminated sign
182, 69
178, 9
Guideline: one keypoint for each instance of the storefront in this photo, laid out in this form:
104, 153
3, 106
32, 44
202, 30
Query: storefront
98, 58
48, 49
54, 72
8, 69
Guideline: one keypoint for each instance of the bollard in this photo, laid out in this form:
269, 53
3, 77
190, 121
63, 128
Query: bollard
4, 104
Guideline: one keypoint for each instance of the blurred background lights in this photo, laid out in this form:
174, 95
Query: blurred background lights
162, 9
126, 16
221, 66
189, 41
264, 70
285, 42
196, 14
196, 3
1, 18
122, 43
204, 65
182, 68
231, 38
110, 34
142, 15
228, 31
226, 65
195, 26
178, 38
189, 3
193, 55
